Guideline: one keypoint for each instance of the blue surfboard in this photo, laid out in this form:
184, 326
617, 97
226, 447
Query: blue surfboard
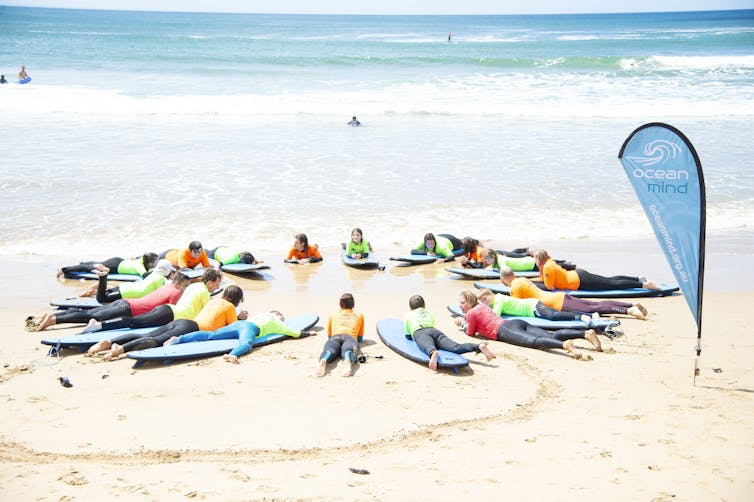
483, 273
243, 268
79, 302
210, 348
110, 277
85, 340
392, 333
25, 80
456, 311
368, 262
421, 258
665, 290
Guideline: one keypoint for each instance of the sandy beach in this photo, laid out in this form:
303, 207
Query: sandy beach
628, 425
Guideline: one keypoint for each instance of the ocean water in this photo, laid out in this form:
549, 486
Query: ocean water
145, 130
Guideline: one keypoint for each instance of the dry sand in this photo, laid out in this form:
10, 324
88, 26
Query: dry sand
629, 425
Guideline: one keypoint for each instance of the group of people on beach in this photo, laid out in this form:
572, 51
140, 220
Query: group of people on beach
182, 311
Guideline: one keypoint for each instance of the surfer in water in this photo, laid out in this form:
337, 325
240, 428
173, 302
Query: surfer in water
354, 122
22, 73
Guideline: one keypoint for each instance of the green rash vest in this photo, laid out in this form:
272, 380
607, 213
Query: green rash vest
134, 267
443, 247
361, 248
417, 319
507, 305
269, 323
525, 263
141, 288
227, 255
193, 299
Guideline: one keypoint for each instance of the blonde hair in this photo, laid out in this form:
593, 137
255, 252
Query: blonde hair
470, 298
484, 294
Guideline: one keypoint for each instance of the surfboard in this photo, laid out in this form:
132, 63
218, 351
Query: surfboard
25, 80
110, 277
210, 348
456, 311
392, 333
665, 290
483, 273
421, 258
243, 268
83, 341
79, 302
368, 262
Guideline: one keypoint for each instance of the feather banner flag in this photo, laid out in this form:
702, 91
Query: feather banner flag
666, 174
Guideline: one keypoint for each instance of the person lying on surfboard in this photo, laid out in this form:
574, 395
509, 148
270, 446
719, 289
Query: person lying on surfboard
420, 327
472, 253
302, 252
194, 298
491, 260
358, 247
218, 312
227, 255
526, 307
170, 293
441, 246
522, 287
194, 256
246, 331
555, 276
135, 266
480, 319
345, 330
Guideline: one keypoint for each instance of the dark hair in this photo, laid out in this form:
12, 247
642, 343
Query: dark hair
195, 246
357, 229
347, 301
469, 244
303, 239
149, 260
416, 302
429, 235
247, 257
211, 274
179, 277
234, 294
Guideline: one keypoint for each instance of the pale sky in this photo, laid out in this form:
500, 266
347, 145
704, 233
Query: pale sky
395, 6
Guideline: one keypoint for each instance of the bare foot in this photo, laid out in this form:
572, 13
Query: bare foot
230, 358
591, 337
486, 351
45, 321
59, 272
99, 347
90, 291
634, 311
113, 353
433, 361
98, 267
321, 368
642, 308
650, 285
347, 368
586, 319
172, 341
568, 347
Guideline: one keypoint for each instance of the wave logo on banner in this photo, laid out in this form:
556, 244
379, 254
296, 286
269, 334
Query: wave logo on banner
666, 174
